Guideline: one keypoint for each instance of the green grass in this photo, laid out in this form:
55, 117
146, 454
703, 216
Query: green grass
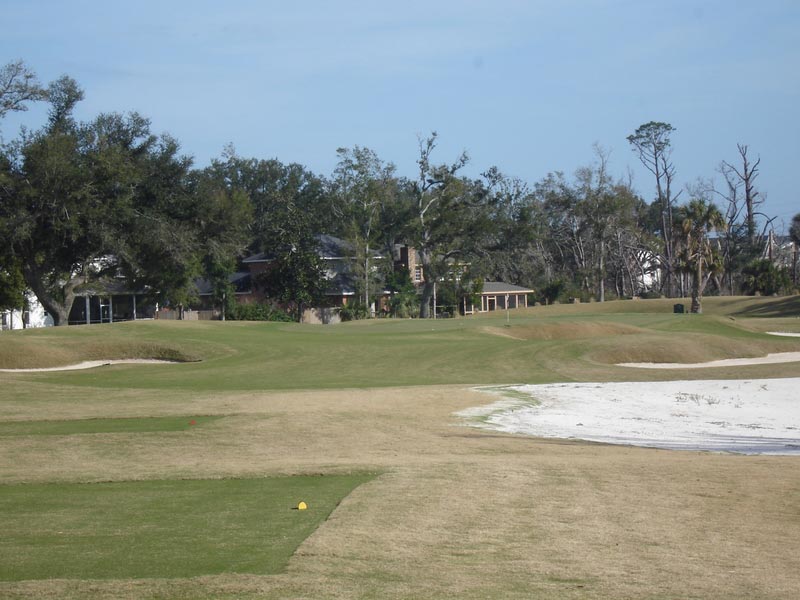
161, 529
125, 425
382, 353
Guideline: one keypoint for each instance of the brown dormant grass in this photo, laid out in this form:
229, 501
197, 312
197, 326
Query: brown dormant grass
457, 512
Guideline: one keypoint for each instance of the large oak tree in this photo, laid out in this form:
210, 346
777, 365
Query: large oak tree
79, 201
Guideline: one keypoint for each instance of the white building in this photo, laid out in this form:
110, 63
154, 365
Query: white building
35, 316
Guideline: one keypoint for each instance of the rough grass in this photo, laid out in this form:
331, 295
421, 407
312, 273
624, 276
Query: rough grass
151, 529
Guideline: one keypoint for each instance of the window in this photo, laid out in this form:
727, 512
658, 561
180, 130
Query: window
417, 273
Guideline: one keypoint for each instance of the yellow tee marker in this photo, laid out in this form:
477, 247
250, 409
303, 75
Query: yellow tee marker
302, 506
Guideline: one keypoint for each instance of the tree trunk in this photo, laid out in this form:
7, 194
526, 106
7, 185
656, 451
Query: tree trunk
58, 310
366, 279
697, 307
425, 300
424, 255
601, 273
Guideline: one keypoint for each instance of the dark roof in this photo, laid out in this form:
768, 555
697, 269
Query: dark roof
498, 287
328, 247
240, 281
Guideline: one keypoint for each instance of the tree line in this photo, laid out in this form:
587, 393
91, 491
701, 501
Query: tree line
80, 200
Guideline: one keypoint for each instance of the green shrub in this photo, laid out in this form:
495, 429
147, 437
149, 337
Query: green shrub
552, 291
650, 295
404, 305
257, 312
354, 311
404, 301
764, 277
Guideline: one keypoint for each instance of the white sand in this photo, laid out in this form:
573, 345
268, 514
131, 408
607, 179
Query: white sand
90, 364
780, 357
784, 333
757, 416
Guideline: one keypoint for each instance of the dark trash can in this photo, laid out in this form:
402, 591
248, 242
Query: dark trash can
678, 309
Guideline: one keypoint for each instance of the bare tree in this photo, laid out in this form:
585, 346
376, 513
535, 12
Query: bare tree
651, 142
746, 175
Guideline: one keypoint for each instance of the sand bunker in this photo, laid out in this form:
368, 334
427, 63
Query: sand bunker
784, 333
90, 364
780, 357
757, 416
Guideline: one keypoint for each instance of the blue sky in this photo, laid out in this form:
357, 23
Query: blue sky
526, 86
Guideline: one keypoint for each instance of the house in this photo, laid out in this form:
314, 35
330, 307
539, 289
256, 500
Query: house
109, 300
406, 257
34, 315
496, 295
241, 282
337, 257
780, 250
101, 301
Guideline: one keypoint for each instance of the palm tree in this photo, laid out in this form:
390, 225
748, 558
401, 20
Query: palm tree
697, 219
794, 234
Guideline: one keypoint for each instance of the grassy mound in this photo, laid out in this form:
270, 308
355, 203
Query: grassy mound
736, 306
564, 331
37, 348
688, 348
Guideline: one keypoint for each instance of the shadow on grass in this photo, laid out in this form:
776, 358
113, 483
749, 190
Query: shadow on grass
779, 307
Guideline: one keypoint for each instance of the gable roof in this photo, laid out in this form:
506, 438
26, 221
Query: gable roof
329, 247
240, 281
